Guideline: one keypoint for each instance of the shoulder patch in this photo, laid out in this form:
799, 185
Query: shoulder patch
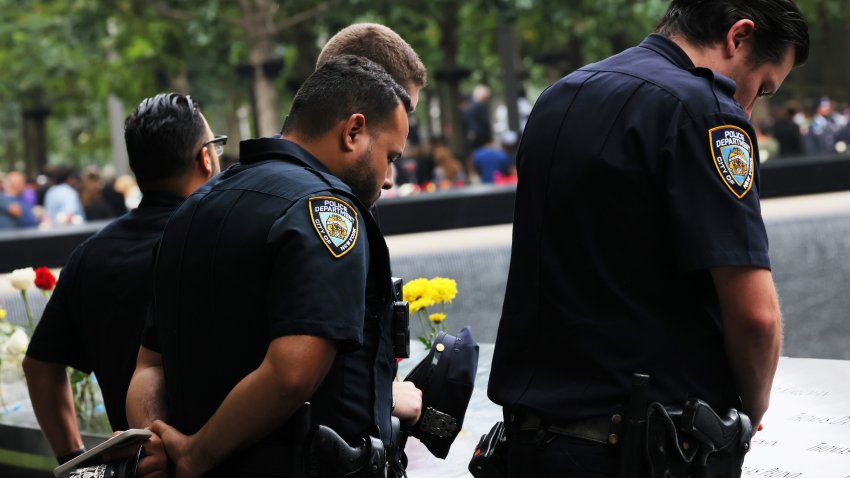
732, 150
335, 222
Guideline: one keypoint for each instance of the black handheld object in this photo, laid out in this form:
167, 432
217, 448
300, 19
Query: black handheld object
401, 321
489, 459
634, 427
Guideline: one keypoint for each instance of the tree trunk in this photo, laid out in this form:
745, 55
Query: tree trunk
452, 115
303, 38
259, 16
35, 132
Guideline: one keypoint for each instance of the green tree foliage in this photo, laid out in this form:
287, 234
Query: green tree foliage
70, 55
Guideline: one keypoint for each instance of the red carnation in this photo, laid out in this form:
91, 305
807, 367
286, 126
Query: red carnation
44, 279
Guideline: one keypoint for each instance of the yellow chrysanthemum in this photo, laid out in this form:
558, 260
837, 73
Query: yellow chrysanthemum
415, 290
437, 317
2, 313
443, 290
420, 304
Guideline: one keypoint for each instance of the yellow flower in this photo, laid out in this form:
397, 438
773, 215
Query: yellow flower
437, 318
420, 304
443, 290
2, 313
415, 290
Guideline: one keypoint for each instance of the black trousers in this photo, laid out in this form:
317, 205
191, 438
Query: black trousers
531, 454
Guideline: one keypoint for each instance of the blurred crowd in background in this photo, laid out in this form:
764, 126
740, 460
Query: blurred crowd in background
63, 195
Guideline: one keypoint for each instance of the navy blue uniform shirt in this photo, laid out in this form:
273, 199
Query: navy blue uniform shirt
94, 319
274, 246
637, 175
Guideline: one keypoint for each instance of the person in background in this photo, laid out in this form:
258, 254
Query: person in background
15, 210
62, 206
94, 319
489, 161
91, 196
385, 47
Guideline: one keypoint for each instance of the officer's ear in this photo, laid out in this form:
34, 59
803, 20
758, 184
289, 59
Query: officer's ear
740, 34
353, 132
205, 162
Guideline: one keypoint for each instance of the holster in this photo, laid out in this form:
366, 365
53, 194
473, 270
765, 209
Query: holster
331, 456
693, 441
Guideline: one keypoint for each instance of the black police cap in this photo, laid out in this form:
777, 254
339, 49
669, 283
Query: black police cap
446, 377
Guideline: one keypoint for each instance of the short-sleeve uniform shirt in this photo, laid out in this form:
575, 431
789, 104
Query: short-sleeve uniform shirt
637, 175
274, 246
94, 319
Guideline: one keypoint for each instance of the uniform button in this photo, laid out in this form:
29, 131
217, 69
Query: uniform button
440, 347
613, 439
616, 418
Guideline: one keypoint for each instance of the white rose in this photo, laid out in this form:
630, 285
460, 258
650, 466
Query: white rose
15, 346
22, 279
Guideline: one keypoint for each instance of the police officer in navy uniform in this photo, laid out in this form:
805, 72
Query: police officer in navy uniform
95, 317
638, 239
272, 285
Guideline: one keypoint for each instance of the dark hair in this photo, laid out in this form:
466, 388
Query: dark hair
163, 135
342, 86
381, 45
778, 25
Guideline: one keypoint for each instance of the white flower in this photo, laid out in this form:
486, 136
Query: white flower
22, 279
15, 346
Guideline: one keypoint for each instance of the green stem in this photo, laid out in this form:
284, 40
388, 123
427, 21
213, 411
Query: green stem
30, 321
424, 328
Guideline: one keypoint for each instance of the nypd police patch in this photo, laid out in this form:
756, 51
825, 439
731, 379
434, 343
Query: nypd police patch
733, 154
336, 223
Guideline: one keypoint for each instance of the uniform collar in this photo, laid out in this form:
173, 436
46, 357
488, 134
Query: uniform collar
674, 54
263, 149
161, 199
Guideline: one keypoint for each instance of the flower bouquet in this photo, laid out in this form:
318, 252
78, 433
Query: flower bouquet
434, 293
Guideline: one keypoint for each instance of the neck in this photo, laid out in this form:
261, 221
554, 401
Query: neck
320, 148
701, 56
182, 186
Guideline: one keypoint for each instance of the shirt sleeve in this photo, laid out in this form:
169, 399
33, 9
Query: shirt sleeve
318, 279
712, 173
150, 339
57, 336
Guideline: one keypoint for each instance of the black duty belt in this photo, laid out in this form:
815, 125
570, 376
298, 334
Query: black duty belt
604, 430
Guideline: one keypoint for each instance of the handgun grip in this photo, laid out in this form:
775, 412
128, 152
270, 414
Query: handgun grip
701, 421
329, 447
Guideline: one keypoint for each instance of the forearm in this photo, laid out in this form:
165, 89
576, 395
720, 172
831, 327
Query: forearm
146, 394
146, 398
753, 351
53, 404
252, 410
292, 370
752, 327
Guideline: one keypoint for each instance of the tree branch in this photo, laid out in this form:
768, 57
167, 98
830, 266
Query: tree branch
305, 15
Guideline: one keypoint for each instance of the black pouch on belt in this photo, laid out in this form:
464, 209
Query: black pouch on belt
489, 460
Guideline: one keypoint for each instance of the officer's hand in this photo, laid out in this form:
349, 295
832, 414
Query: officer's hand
154, 463
178, 447
408, 402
